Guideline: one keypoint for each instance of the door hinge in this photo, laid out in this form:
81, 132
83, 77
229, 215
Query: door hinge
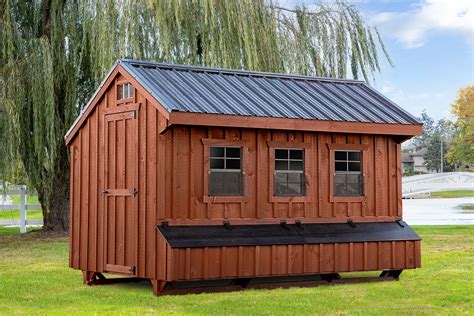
132, 270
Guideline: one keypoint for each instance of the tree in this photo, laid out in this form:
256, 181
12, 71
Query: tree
441, 132
53, 53
409, 171
462, 148
428, 130
433, 134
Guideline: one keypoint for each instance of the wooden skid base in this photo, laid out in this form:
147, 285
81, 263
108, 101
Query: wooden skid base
97, 278
195, 287
211, 286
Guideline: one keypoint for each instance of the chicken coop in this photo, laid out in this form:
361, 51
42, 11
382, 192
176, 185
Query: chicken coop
182, 174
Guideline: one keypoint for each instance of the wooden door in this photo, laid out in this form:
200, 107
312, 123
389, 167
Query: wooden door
121, 190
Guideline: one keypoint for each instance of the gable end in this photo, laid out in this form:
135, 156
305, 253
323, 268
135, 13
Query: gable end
108, 83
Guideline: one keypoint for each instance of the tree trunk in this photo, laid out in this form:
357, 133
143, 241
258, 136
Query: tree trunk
56, 213
56, 204
46, 27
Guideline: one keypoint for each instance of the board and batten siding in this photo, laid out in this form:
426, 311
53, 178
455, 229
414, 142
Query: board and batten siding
171, 185
186, 174
279, 260
87, 204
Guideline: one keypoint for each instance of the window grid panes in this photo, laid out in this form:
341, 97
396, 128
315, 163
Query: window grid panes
225, 174
125, 91
289, 172
347, 173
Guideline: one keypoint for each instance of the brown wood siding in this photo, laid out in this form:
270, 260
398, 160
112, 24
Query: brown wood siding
279, 260
186, 172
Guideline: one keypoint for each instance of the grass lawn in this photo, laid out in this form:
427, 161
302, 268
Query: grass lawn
453, 194
30, 199
10, 231
15, 214
35, 279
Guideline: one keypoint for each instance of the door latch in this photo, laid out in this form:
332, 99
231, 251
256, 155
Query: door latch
134, 192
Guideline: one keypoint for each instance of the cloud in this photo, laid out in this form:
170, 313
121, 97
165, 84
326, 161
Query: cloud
435, 103
413, 27
387, 87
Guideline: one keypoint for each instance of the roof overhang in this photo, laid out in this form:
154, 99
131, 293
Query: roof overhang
90, 105
404, 131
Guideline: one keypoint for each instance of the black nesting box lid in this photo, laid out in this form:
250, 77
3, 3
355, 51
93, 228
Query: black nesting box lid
274, 234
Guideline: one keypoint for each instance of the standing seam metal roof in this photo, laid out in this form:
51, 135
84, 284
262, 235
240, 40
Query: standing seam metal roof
194, 89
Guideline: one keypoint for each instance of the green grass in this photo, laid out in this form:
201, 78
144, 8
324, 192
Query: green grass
453, 194
30, 199
35, 279
10, 231
15, 214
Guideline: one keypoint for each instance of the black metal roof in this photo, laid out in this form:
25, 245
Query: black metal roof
236, 92
260, 235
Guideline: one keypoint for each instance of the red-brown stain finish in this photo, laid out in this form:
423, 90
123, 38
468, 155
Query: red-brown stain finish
132, 169
280, 260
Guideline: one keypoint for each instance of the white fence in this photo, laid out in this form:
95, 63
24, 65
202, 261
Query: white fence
23, 207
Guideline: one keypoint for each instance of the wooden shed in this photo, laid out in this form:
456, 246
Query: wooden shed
182, 173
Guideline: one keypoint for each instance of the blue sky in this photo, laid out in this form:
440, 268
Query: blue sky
431, 43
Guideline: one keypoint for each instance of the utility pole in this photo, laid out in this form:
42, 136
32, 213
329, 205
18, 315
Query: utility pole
441, 139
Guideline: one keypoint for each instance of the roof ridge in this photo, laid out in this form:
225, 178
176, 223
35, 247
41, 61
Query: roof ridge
230, 71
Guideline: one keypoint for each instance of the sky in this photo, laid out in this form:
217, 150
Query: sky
431, 43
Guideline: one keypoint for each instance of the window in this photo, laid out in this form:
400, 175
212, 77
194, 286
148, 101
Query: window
225, 173
124, 91
347, 173
289, 172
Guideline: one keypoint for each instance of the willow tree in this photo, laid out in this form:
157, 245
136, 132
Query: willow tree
53, 53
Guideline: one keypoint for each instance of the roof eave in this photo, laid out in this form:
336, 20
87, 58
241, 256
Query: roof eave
404, 131
117, 68
69, 133
399, 108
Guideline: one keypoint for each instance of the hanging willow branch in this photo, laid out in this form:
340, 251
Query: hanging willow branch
53, 53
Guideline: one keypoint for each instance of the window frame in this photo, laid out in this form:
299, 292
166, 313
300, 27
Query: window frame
362, 148
289, 171
307, 172
118, 86
244, 156
225, 161
347, 162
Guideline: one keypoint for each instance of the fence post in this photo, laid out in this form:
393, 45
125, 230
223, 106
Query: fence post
23, 210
